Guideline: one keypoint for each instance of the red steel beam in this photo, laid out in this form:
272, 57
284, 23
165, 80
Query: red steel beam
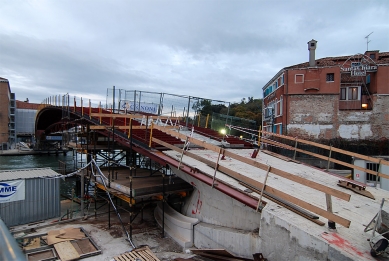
240, 196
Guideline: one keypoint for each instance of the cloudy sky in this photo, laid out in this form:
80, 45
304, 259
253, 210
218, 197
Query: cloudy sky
222, 49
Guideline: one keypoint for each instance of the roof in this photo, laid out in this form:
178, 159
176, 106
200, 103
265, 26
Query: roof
3, 79
26, 173
382, 58
27, 105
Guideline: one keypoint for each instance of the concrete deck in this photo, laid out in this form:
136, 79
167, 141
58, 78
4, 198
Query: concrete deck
143, 183
283, 235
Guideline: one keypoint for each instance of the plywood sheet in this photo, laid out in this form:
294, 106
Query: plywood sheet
84, 246
56, 236
32, 244
66, 251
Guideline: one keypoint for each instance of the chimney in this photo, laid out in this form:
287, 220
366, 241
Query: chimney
312, 48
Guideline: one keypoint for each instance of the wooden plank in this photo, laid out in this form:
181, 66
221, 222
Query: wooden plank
66, 251
144, 253
151, 254
127, 127
287, 205
116, 194
120, 258
128, 256
103, 127
330, 159
353, 154
284, 174
96, 127
281, 173
219, 254
355, 188
137, 255
344, 222
275, 192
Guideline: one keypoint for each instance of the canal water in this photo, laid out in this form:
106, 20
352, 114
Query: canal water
36, 161
43, 161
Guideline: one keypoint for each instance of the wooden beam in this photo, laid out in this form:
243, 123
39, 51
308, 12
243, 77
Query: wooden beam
97, 127
131, 116
103, 127
349, 153
257, 185
284, 174
278, 172
328, 159
288, 205
117, 194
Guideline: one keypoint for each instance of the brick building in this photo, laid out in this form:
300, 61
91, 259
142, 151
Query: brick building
7, 115
334, 97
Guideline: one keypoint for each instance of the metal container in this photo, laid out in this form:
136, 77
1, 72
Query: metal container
41, 201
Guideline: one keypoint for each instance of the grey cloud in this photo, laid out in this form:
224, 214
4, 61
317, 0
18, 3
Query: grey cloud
225, 50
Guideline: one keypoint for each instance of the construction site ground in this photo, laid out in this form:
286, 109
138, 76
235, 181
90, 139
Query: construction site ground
111, 240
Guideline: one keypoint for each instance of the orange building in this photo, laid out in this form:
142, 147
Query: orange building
334, 97
7, 115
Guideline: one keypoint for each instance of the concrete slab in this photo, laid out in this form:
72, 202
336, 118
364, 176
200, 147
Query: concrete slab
284, 235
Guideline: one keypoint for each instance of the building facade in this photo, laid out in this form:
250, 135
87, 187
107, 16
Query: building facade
25, 121
334, 97
7, 115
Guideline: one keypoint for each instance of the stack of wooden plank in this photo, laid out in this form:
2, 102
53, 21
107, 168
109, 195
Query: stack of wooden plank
138, 254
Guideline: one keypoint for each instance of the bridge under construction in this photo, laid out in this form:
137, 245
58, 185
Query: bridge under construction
221, 191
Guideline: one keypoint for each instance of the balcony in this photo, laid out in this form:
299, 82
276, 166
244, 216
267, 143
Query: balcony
364, 104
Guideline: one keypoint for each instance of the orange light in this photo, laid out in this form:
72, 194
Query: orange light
364, 105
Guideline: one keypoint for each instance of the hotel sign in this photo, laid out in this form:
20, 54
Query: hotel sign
359, 66
360, 70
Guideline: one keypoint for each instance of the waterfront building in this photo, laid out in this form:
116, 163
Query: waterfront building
7, 115
17, 118
343, 97
25, 121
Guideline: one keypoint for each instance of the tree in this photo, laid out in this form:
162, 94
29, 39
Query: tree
205, 107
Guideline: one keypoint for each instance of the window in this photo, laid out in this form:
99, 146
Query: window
349, 93
373, 167
343, 92
280, 101
372, 56
275, 108
352, 93
330, 77
355, 64
299, 78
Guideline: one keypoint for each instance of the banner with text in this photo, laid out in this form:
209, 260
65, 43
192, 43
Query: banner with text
141, 107
12, 191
